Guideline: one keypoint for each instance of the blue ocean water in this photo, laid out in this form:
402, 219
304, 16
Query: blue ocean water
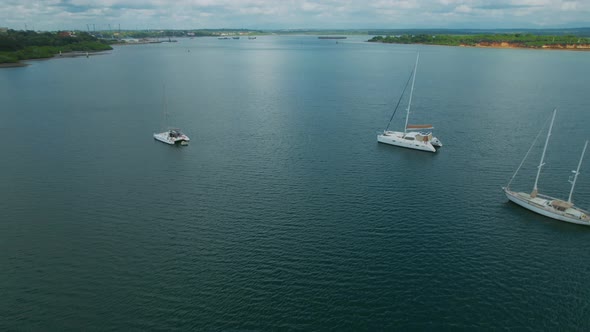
284, 212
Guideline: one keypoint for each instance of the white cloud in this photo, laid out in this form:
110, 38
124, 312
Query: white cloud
569, 5
61, 14
463, 9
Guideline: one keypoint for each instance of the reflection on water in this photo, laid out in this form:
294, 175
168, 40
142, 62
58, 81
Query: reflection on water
284, 212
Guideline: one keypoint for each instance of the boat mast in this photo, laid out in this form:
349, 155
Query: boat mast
576, 172
399, 101
534, 193
165, 106
411, 93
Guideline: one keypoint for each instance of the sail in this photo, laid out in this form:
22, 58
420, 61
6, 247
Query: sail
419, 127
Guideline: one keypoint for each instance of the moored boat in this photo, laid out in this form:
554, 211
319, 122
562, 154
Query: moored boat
172, 137
414, 136
546, 205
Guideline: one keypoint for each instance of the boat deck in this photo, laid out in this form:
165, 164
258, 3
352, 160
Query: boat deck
543, 203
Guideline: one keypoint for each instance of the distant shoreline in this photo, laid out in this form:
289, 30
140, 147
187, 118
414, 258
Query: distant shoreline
73, 54
514, 40
19, 46
583, 48
13, 64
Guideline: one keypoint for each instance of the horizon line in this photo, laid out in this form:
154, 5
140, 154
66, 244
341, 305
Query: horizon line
311, 29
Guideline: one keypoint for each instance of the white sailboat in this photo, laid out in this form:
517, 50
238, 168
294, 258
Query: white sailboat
416, 137
172, 136
546, 205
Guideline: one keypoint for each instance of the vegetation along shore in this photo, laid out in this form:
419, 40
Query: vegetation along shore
17, 45
23, 45
517, 40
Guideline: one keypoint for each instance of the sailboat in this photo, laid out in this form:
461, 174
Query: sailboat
414, 136
172, 136
546, 205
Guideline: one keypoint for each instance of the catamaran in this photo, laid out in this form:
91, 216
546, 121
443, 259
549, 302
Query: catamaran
171, 136
546, 205
416, 137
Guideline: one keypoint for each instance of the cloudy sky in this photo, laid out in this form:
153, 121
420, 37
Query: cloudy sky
293, 14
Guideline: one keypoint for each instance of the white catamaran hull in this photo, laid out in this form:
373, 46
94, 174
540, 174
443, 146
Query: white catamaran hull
397, 138
166, 138
435, 142
541, 206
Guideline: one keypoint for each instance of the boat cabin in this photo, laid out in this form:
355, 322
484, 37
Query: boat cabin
175, 133
560, 205
424, 137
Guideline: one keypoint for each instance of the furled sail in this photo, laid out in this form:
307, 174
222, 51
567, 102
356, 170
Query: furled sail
419, 127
